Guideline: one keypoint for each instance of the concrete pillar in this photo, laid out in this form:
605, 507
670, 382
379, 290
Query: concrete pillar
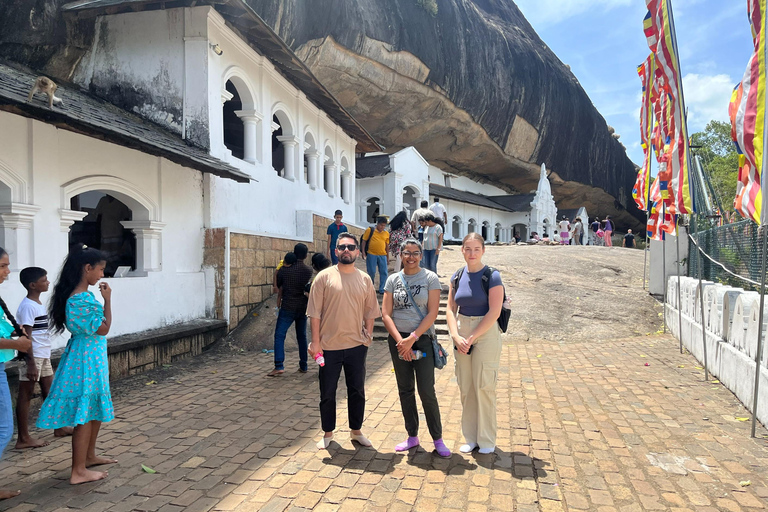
16, 233
250, 119
312, 159
148, 239
331, 179
289, 150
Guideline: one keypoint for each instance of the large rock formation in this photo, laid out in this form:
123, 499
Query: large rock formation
473, 87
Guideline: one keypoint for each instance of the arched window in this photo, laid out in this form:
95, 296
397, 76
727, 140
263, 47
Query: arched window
284, 144
456, 227
346, 180
486, 231
234, 131
472, 228
102, 228
410, 196
497, 233
278, 153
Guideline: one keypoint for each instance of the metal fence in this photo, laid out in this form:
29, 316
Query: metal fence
735, 249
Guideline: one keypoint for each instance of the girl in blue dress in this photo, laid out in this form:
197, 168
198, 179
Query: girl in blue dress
80, 396
8, 346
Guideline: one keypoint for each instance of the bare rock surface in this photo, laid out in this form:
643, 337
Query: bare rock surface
560, 293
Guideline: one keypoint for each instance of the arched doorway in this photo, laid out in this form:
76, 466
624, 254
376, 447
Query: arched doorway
102, 228
497, 233
372, 210
521, 230
486, 231
472, 228
410, 199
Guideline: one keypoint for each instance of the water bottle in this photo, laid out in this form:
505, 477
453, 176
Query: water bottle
320, 359
417, 354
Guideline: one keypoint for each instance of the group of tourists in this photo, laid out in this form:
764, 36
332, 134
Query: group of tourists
343, 306
77, 398
599, 233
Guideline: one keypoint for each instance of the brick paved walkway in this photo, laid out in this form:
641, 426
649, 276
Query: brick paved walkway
581, 427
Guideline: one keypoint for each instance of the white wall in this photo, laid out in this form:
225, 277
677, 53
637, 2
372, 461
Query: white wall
47, 162
269, 203
663, 260
437, 176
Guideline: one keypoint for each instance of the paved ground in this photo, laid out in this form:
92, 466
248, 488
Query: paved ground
583, 425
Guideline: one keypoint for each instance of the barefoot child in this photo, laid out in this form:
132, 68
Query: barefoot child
8, 346
80, 396
36, 366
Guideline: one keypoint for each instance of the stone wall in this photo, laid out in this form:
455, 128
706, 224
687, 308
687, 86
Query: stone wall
252, 260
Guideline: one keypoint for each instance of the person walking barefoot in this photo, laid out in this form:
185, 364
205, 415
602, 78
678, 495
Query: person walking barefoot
80, 395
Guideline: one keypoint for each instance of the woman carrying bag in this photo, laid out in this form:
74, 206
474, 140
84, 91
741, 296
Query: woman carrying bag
472, 318
409, 309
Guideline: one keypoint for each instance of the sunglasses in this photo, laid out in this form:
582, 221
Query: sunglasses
345, 247
407, 254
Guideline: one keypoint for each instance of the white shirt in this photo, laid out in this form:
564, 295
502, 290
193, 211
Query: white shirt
417, 214
438, 209
564, 225
34, 314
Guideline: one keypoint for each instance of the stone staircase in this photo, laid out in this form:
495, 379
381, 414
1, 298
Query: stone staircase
441, 325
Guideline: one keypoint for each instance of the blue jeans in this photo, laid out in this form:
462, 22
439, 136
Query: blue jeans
371, 262
284, 320
6, 411
334, 259
429, 260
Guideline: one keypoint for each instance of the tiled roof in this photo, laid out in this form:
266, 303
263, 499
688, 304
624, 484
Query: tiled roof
516, 203
372, 166
264, 40
83, 113
465, 197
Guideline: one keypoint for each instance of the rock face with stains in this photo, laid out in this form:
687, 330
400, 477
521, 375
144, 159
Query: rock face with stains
473, 87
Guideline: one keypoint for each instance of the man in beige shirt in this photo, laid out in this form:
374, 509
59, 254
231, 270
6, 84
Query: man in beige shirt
341, 310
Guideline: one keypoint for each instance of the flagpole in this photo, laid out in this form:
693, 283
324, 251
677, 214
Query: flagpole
664, 266
647, 242
679, 292
759, 356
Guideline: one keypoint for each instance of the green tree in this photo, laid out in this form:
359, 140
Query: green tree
429, 5
719, 159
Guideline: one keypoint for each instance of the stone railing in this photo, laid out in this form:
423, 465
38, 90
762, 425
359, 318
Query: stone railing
731, 317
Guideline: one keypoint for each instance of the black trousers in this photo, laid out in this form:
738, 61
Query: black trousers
422, 374
352, 360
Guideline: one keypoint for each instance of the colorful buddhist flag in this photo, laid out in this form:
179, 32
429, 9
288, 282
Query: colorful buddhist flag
659, 28
647, 73
749, 120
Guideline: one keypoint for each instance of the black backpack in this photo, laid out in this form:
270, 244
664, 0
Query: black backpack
365, 241
506, 312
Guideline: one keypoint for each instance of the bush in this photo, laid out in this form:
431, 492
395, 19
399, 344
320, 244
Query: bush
429, 5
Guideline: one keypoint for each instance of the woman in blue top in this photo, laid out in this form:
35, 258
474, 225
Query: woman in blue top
472, 323
80, 395
8, 346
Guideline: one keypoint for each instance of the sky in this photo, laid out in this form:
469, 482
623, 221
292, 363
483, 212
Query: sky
603, 42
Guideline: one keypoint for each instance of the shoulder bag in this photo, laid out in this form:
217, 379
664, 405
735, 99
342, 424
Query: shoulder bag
440, 355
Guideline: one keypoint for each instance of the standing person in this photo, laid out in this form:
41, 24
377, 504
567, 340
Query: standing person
80, 395
439, 211
578, 228
292, 281
409, 316
593, 229
418, 214
433, 243
471, 316
342, 307
8, 327
629, 240
608, 231
399, 231
565, 228
33, 319
375, 251
334, 230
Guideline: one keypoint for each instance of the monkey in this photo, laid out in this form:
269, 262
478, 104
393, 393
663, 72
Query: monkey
46, 86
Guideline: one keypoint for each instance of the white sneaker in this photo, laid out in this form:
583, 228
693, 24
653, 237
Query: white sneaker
486, 451
324, 443
467, 448
361, 439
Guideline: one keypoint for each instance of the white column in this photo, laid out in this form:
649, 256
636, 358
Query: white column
148, 247
289, 150
312, 159
336, 184
16, 233
330, 173
250, 119
346, 178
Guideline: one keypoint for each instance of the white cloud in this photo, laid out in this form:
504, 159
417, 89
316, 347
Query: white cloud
550, 12
707, 98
